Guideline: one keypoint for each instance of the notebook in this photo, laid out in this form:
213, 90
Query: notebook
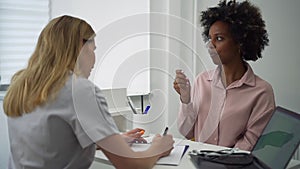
173, 159
279, 140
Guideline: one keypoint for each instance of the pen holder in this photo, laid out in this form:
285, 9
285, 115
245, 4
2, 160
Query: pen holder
142, 121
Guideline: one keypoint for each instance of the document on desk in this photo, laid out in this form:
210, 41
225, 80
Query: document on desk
173, 158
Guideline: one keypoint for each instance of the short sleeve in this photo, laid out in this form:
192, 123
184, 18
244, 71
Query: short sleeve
94, 121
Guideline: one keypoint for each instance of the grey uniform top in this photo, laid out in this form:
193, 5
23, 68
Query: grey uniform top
61, 133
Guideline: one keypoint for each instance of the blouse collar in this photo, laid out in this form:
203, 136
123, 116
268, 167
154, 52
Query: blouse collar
248, 78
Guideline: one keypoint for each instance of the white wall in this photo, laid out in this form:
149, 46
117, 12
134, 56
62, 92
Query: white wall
122, 40
280, 62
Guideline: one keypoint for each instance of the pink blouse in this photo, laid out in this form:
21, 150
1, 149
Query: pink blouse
233, 116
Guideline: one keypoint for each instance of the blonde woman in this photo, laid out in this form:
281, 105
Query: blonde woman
56, 115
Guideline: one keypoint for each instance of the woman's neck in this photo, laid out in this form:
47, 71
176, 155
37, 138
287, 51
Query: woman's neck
231, 73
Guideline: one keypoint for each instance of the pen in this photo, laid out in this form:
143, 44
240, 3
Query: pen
131, 106
166, 131
146, 110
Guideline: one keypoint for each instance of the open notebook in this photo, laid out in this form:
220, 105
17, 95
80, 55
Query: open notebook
173, 159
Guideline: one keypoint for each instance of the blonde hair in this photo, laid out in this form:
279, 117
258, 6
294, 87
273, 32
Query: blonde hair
55, 56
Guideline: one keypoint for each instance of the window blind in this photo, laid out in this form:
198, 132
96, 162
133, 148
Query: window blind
20, 25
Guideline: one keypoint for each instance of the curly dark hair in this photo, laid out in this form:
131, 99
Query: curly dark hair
245, 23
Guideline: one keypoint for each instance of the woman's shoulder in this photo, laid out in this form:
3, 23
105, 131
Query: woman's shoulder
259, 82
80, 83
262, 82
76, 85
263, 85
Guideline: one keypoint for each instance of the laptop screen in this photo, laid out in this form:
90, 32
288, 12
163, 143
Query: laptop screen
279, 140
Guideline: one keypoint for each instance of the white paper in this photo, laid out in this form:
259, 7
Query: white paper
173, 158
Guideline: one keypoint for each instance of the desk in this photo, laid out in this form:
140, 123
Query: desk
185, 161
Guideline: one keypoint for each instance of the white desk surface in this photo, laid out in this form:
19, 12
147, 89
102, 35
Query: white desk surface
185, 161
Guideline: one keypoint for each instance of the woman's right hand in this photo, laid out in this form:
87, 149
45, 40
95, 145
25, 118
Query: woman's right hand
163, 144
182, 86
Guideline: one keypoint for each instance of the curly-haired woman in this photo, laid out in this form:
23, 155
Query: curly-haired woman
230, 105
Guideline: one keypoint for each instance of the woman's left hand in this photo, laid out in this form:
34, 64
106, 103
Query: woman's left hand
134, 136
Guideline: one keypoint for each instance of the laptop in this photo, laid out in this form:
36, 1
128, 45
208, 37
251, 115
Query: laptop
279, 140
274, 148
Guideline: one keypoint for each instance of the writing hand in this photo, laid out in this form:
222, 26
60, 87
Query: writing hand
182, 86
163, 144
